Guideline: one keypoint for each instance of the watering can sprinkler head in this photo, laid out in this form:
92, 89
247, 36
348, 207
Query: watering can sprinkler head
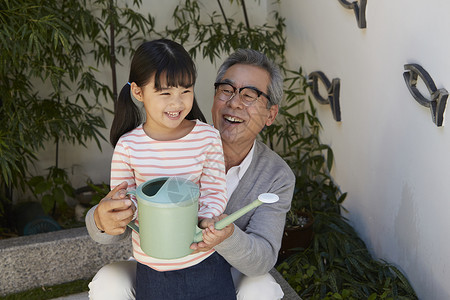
268, 198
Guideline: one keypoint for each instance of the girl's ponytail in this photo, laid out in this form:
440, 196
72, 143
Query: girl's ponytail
127, 115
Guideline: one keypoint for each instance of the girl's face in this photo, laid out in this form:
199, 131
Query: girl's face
165, 109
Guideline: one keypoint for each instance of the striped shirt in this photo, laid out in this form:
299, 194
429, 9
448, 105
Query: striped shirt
198, 156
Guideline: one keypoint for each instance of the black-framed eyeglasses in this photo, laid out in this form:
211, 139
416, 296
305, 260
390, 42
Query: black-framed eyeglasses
247, 94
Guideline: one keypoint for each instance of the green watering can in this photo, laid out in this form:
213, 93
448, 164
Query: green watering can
168, 216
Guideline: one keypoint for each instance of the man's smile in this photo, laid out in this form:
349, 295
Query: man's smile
233, 119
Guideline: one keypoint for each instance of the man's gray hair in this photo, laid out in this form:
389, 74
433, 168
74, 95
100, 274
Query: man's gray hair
258, 59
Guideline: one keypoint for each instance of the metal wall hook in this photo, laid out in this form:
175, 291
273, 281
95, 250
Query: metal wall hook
438, 97
360, 10
333, 90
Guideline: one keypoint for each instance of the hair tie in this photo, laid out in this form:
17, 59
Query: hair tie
129, 83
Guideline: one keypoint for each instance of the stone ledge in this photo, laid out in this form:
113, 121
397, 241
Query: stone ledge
63, 256
53, 258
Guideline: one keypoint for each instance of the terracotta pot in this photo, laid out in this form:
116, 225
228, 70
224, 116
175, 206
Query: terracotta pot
295, 237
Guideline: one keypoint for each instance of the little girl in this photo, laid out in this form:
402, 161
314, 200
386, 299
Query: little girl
171, 142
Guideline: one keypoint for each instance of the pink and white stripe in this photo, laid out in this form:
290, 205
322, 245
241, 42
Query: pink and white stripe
197, 156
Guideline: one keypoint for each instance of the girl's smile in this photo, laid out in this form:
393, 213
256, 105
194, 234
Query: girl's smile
173, 115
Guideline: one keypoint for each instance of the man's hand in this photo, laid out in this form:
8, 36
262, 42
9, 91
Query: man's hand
115, 211
212, 236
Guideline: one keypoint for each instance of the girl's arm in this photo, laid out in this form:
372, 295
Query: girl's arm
121, 169
213, 192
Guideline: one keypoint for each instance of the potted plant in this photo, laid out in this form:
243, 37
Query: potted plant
88, 196
298, 233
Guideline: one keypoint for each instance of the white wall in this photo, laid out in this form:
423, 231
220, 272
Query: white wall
390, 157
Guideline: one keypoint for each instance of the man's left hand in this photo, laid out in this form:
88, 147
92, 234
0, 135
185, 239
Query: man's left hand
213, 237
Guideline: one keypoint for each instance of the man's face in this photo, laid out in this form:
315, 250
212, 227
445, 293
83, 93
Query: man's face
239, 124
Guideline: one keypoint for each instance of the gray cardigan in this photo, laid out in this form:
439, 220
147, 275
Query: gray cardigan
253, 247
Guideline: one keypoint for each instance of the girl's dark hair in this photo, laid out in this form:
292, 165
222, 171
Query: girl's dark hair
160, 58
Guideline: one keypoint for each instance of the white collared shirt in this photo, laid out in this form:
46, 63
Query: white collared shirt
235, 174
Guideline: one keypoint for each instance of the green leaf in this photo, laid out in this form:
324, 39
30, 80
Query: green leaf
69, 190
47, 202
58, 195
42, 187
372, 297
34, 181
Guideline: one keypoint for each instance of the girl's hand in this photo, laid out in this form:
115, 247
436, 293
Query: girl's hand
206, 223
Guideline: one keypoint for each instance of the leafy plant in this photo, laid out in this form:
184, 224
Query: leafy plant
213, 36
99, 192
52, 189
339, 266
120, 29
48, 92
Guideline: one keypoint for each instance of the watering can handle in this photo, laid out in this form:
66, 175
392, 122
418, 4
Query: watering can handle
230, 219
132, 224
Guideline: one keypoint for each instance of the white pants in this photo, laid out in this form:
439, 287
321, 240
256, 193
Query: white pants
117, 281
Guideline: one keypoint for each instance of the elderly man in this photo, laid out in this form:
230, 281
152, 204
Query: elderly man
248, 90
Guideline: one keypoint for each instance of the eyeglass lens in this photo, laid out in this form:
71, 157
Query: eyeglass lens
227, 91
